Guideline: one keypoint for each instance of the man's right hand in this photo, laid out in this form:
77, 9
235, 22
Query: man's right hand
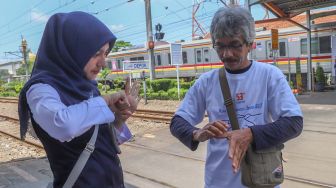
216, 129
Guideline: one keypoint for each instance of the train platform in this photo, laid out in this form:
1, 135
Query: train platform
35, 173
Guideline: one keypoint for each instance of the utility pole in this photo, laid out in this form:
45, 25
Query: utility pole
309, 58
150, 42
24, 55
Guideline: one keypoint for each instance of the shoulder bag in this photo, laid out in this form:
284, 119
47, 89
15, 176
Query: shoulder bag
259, 169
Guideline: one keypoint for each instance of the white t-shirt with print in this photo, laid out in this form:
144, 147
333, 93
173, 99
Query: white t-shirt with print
261, 95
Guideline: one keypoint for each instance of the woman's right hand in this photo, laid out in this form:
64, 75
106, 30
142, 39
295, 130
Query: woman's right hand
119, 105
117, 101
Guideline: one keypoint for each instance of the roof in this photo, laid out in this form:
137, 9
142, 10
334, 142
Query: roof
291, 8
301, 19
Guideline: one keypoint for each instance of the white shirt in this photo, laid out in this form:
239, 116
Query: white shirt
261, 95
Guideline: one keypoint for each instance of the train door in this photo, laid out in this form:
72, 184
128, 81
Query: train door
269, 53
119, 64
282, 53
158, 63
202, 56
198, 56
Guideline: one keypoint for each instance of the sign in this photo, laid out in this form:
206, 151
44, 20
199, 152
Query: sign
275, 39
293, 39
176, 53
136, 75
135, 65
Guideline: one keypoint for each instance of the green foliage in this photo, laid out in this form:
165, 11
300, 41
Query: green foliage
320, 78
11, 89
120, 44
22, 69
100, 86
8, 94
104, 73
291, 84
162, 84
18, 87
166, 89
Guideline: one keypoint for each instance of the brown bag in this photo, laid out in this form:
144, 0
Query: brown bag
262, 168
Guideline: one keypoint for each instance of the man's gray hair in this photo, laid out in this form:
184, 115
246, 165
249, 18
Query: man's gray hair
232, 21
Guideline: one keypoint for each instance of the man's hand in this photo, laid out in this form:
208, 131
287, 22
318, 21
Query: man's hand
217, 129
239, 141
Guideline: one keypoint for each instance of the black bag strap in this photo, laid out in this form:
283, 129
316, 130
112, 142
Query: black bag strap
228, 99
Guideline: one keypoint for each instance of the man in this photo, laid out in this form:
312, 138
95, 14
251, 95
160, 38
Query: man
267, 111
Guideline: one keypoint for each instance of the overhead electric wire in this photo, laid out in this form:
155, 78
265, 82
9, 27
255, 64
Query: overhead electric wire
175, 28
25, 12
111, 7
65, 4
127, 28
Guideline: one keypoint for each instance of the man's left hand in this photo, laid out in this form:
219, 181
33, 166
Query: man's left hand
239, 141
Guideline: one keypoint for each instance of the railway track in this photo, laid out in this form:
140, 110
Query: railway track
8, 100
14, 134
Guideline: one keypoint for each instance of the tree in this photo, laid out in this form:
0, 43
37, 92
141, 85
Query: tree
120, 44
103, 75
320, 78
31, 59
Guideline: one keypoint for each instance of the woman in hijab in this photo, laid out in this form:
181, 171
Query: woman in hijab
64, 105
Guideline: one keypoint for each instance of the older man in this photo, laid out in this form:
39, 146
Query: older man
267, 111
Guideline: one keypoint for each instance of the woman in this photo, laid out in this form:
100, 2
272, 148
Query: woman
64, 103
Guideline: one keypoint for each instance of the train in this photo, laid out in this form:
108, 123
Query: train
199, 56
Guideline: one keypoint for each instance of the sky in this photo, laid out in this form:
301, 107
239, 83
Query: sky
27, 19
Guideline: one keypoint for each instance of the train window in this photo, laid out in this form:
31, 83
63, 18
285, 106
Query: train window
158, 59
140, 58
269, 52
325, 44
109, 64
184, 57
314, 46
169, 59
119, 62
282, 49
198, 56
206, 55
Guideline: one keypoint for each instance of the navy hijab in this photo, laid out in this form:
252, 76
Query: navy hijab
68, 42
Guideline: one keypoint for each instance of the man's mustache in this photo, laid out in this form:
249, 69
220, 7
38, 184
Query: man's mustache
229, 60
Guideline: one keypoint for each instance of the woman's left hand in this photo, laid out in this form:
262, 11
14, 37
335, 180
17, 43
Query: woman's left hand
132, 95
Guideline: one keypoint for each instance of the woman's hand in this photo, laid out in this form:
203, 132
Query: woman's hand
132, 94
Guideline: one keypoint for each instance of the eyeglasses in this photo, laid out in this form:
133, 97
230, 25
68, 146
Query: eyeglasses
236, 46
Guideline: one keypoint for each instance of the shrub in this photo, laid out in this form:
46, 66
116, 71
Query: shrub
320, 78
8, 94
